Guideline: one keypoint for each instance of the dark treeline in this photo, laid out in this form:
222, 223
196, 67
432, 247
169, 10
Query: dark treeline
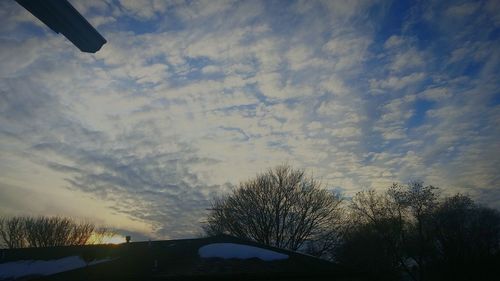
25, 232
407, 231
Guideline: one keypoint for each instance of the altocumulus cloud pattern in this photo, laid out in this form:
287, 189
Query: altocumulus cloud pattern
187, 98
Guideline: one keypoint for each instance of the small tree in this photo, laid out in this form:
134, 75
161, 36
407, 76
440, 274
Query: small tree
281, 208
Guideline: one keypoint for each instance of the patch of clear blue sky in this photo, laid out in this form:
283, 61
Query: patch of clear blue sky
494, 34
392, 21
137, 26
495, 101
29, 30
420, 109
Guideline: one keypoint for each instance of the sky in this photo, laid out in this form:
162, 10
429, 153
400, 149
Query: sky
189, 98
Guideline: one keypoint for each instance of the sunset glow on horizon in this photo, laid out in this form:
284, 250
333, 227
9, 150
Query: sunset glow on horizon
115, 239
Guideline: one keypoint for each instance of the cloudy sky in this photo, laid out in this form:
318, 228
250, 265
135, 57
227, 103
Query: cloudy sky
189, 98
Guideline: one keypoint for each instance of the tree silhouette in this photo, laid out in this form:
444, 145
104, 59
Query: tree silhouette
467, 236
409, 229
281, 207
21, 232
12, 232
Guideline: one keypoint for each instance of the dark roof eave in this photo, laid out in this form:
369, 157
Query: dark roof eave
62, 17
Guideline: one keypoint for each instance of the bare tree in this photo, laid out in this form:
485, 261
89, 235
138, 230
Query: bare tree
99, 235
20, 232
366, 250
419, 202
376, 217
281, 208
12, 232
409, 228
402, 218
467, 236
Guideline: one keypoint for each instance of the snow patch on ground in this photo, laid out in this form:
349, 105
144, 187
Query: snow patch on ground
23, 268
238, 251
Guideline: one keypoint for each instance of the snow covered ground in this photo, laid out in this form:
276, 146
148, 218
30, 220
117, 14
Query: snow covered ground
23, 268
238, 251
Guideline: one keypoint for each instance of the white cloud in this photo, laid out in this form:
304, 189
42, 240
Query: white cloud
462, 10
203, 9
346, 132
407, 59
437, 94
394, 41
210, 69
348, 50
398, 83
144, 10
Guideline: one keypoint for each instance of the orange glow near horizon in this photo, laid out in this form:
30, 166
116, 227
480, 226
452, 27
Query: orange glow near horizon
107, 239
113, 239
